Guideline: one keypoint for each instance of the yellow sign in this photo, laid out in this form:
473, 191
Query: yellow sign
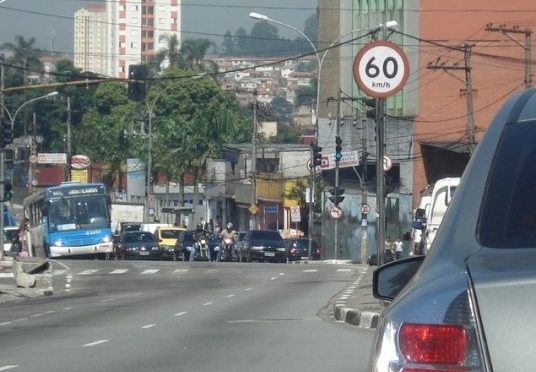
80, 176
253, 209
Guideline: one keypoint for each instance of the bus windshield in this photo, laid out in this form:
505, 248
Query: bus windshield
80, 212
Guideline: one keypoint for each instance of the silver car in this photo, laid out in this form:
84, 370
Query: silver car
469, 305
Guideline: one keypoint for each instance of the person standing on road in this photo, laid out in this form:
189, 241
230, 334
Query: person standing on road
399, 249
21, 241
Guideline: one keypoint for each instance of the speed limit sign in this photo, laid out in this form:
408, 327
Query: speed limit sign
381, 69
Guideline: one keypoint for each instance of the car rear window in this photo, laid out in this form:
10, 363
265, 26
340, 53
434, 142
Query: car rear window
508, 213
266, 235
170, 234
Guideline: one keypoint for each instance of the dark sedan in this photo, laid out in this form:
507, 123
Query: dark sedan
138, 244
298, 249
263, 245
467, 305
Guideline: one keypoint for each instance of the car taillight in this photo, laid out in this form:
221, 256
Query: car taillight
433, 344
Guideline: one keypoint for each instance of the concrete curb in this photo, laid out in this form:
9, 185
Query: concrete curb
348, 314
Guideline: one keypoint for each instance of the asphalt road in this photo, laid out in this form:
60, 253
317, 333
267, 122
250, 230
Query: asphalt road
173, 316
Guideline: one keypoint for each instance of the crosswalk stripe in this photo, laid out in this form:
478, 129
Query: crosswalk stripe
119, 271
150, 271
88, 272
6, 275
310, 271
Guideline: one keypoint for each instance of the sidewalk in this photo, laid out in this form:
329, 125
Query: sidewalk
356, 305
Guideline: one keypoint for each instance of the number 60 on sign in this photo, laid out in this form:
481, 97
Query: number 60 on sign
381, 69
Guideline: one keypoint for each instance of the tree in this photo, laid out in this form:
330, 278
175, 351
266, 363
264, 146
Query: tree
24, 54
193, 51
305, 96
240, 40
264, 38
281, 108
228, 44
171, 54
104, 133
311, 29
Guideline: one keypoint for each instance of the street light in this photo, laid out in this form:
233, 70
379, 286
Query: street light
3, 163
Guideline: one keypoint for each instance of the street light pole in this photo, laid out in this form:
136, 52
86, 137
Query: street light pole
2, 152
263, 17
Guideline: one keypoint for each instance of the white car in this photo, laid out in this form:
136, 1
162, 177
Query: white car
9, 233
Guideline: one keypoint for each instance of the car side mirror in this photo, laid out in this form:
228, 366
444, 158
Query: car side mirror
389, 279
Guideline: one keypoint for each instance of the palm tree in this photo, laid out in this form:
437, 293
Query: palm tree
171, 53
24, 54
193, 52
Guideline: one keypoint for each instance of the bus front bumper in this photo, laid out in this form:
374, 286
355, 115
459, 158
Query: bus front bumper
58, 251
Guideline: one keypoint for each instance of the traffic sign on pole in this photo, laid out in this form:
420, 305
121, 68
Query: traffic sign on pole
381, 69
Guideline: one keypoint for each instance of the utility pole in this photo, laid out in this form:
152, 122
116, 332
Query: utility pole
253, 209
337, 134
364, 221
2, 157
527, 46
68, 139
470, 128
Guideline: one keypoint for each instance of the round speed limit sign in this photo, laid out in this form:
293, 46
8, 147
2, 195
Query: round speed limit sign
381, 69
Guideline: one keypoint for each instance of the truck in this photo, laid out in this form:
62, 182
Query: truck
126, 212
432, 209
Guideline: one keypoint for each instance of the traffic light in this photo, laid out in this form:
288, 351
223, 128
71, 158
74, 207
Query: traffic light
137, 75
338, 148
8, 194
337, 196
7, 133
317, 155
370, 102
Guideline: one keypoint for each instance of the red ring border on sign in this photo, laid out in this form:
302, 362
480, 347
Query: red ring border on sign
361, 84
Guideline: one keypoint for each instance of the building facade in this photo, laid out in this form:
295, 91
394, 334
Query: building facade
138, 29
91, 39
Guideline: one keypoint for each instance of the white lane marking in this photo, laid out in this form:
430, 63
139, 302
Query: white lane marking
180, 271
21, 319
119, 271
242, 321
208, 303
61, 264
343, 270
37, 315
95, 343
67, 285
50, 312
150, 271
59, 272
230, 295
281, 274
107, 300
310, 271
88, 272
211, 271
67, 308
5, 323
181, 313
149, 326
6, 275
5, 368
273, 278
248, 289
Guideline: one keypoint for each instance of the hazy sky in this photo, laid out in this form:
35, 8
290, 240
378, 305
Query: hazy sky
48, 20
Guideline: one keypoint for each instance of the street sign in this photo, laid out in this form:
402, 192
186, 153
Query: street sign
335, 213
348, 159
52, 158
295, 214
253, 209
381, 69
387, 163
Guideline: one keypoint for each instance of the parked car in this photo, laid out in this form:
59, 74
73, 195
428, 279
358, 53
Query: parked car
298, 249
9, 234
263, 245
185, 244
467, 305
138, 244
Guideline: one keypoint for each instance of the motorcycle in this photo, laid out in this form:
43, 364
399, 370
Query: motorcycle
226, 250
201, 250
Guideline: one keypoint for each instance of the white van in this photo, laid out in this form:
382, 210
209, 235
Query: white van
433, 208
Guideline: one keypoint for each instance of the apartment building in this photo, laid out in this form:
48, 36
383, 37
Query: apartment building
138, 29
90, 39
